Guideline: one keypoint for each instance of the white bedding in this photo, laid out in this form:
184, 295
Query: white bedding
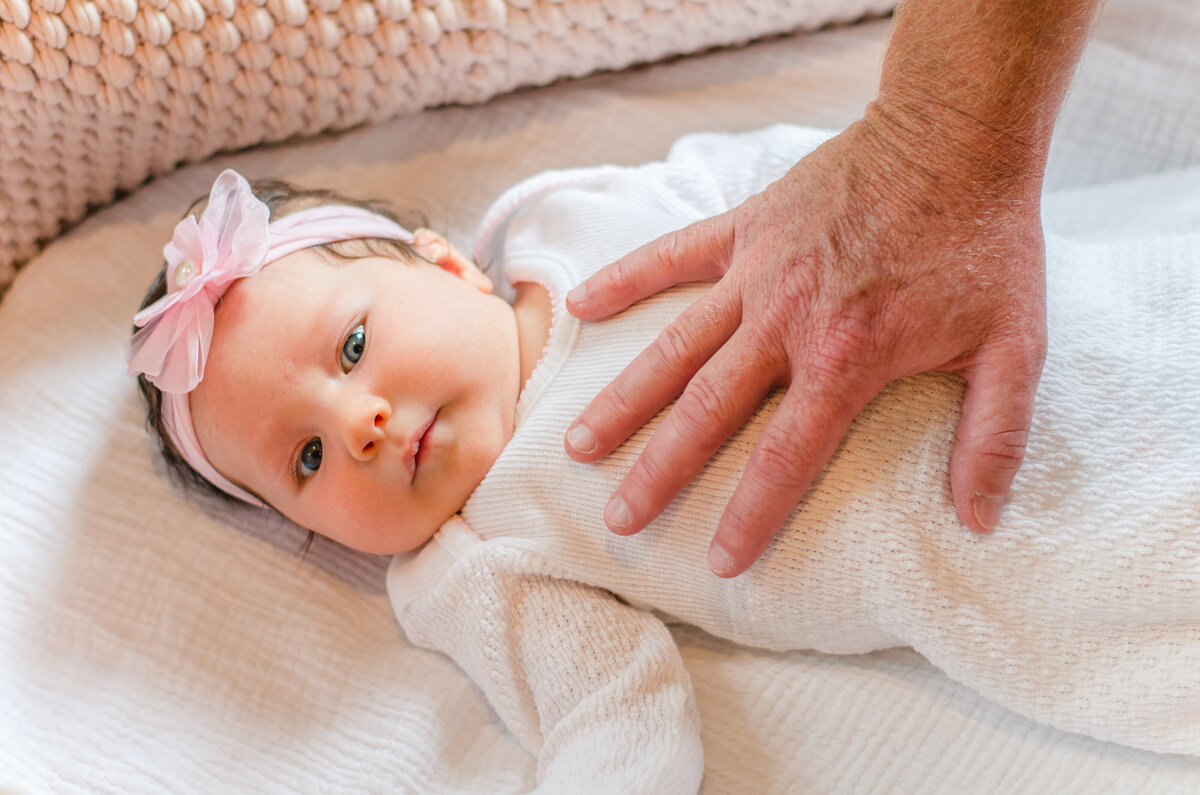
149, 643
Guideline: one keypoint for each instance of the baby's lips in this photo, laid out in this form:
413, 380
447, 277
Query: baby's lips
419, 447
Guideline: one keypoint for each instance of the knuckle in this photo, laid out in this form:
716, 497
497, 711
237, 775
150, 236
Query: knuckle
709, 239
1003, 450
846, 346
647, 476
668, 251
701, 408
835, 336
780, 321
616, 400
782, 465
675, 348
620, 276
607, 415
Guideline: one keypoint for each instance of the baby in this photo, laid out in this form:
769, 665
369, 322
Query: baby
311, 354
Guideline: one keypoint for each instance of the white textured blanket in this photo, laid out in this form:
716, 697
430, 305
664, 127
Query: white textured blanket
149, 644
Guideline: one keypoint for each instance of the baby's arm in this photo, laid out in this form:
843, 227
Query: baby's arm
594, 688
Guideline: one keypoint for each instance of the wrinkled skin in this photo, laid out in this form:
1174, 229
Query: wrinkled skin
882, 254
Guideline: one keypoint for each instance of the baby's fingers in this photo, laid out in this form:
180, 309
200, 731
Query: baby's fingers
700, 251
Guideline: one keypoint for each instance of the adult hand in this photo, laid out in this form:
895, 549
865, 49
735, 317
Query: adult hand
884, 253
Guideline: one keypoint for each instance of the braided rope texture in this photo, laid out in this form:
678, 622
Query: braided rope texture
96, 96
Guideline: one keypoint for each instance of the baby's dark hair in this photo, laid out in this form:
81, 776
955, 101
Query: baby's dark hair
281, 199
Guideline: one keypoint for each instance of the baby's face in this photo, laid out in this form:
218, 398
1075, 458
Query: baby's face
364, 400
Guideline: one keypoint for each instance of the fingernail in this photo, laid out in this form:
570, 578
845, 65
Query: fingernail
719, 561
578, 294
616, 515
987, 509
581, 439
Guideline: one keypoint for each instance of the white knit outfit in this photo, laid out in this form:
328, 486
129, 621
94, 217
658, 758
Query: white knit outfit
1082, 610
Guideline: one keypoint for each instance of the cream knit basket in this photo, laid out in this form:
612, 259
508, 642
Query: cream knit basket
96, 96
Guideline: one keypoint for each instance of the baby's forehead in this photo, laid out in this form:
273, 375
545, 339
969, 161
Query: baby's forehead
284, 286
297, 272
265, 316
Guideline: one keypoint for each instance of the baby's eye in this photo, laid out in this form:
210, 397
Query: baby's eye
352, 348
310, 459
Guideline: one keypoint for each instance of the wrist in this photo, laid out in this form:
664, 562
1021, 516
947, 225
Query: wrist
951, 154
970, 89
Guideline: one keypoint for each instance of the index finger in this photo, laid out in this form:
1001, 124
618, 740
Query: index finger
699, 251
654, 378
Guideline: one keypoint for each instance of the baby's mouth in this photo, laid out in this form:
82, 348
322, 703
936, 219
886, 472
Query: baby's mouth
424, 444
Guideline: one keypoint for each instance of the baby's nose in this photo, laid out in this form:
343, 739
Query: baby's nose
363, 427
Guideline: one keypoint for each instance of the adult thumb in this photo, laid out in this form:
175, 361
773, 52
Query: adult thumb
992, 435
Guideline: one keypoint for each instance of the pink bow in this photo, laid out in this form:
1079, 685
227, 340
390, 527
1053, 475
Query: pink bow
229, 242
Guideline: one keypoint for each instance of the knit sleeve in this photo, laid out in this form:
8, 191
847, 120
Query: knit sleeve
594, 688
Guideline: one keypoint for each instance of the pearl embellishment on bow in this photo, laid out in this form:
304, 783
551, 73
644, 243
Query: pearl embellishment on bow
184, 272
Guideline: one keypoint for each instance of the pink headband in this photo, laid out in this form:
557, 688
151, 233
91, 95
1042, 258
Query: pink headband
232, 240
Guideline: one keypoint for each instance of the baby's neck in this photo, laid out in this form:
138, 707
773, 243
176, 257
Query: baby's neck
534, 318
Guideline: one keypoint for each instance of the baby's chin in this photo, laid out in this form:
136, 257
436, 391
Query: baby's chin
390, 539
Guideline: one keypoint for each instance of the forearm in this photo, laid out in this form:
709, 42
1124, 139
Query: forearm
974, 86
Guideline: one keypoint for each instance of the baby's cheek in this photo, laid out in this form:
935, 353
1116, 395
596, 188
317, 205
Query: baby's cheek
480, 451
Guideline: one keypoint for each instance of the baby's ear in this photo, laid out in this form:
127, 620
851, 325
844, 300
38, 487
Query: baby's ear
437, 249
